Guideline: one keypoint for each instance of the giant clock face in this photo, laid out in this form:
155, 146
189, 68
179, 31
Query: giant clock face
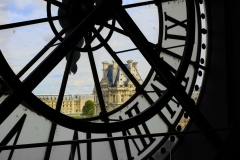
167, 35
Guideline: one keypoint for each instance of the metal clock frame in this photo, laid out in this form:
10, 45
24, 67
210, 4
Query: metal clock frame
22, 90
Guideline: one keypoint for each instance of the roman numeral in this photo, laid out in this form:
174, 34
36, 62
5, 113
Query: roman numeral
89, 147
50, 139
145, 144
15, 130
175, 24
185, 80
112, 147
75, 147
179, 57
159, 92
126, 142
170, 53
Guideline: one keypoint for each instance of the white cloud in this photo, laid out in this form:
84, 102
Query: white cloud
19, 45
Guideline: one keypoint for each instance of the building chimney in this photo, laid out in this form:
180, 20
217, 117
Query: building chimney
135, 65
129, 65
114, 70
105, 68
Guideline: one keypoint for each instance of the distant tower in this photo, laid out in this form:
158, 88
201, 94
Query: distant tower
116, 86
135, 65
130, 65
114, 70
105, 68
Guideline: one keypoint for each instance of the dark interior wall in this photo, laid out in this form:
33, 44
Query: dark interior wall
232, 9
231, 148
215, 100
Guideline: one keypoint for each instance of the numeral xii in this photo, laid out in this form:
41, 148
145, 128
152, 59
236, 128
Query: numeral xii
175, 24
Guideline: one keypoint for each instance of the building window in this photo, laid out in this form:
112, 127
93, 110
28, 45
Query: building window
122, 98
105, 99
114, 98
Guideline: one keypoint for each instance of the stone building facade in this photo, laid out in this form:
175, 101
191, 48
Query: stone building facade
116, 86
72, 104
195, 95
184, 120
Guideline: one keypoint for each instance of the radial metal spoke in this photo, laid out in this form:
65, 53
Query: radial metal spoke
49, 46
160, 68
139, 4
44, 68
59, 103
40, 54
64, 81
97, 84
82, 141
172, 54
128, 50
175, 46
145, 3
139, 88
120, 63
30, 22
50, 139
57, 3
115, 29
91, 39
8, 75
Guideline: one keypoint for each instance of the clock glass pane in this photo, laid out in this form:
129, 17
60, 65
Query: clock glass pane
109, 83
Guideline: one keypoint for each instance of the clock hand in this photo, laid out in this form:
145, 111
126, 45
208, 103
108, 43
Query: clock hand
64, 23
76, 57
74, 16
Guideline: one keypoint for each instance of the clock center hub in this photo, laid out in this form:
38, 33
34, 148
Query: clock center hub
78, 10
75, 11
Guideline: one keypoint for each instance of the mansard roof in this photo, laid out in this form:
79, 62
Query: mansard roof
119, 78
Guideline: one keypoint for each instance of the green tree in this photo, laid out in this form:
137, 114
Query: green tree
88, 108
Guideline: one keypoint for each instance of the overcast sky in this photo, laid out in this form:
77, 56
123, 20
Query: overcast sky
19, 45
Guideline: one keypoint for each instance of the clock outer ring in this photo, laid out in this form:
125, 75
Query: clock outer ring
58, 35
85, 126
